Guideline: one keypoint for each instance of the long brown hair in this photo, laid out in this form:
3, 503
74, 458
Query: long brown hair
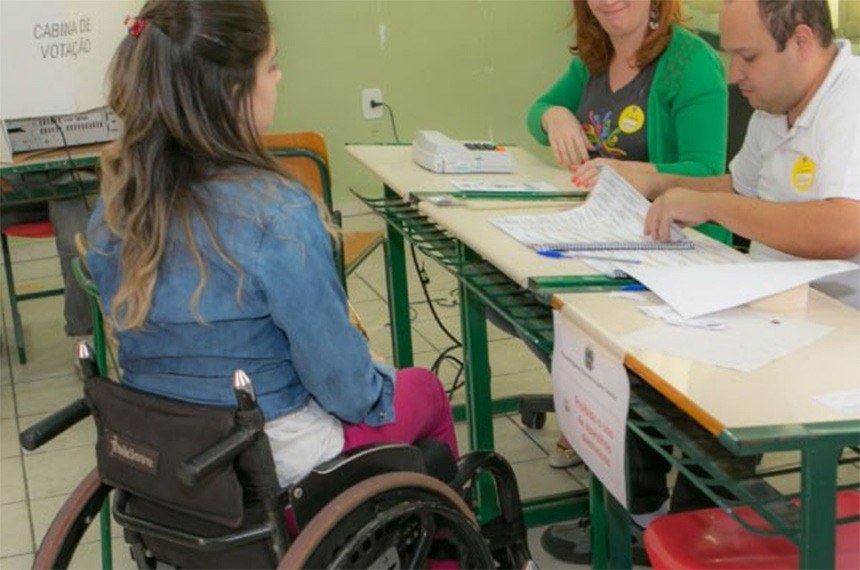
182, 85
595, 48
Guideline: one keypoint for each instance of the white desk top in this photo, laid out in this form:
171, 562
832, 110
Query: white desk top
779, 393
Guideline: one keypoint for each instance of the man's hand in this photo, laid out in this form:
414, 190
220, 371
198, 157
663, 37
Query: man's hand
566, 138
680, 205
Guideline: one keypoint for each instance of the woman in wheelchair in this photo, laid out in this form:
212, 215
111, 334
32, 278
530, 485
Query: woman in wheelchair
209, 258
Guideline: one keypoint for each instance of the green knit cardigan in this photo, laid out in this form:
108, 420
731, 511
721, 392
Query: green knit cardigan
687, 111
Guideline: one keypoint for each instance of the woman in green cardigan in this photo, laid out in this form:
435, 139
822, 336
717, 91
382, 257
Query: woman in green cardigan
642, 93
640, 89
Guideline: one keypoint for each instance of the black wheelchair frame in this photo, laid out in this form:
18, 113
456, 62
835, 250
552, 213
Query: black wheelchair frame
374, 507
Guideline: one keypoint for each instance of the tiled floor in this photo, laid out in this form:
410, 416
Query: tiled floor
34, 485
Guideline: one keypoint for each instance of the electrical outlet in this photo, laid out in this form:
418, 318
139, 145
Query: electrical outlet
368, 95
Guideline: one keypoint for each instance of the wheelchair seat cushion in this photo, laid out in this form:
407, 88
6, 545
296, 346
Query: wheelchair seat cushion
143, 438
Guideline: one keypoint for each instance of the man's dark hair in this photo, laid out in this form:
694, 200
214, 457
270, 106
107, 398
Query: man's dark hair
781, 17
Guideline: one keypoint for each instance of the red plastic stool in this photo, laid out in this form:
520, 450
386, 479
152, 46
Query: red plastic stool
42, 229
709, 538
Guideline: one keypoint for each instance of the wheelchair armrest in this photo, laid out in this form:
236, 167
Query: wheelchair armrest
191, 471
44, 431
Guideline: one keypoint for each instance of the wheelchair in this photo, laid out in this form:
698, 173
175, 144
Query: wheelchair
195, 487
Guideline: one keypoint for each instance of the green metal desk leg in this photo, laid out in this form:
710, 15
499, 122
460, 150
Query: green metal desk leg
479, 400
818, 509
398, 294
107, 549
618, 533
596, 499
17, 327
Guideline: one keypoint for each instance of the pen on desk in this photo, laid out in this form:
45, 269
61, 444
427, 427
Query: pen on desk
526, 195
554, 253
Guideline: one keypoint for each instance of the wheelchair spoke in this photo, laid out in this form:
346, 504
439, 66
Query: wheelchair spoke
425, 540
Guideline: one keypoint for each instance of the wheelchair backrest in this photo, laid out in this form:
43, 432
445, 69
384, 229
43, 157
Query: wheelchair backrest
142, 439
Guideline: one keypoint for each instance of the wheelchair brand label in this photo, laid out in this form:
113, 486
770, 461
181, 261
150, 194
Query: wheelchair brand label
132, 453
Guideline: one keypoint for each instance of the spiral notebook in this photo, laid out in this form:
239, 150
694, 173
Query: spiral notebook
612, 218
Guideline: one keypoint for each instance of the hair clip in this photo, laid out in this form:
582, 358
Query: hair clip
134, 25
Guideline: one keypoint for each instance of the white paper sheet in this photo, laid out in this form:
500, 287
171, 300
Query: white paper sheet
847, 402
697, 290
750, 340
612, 218
591, 393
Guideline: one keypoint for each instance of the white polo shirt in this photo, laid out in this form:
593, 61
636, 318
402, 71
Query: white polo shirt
816, 159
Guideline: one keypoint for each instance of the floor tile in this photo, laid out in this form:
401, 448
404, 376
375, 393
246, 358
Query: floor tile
9, 439
15, 535
509, 356
21, 562
88, 556
49, 350
57, 473
47, 395
12, 489
43, 511
510, 441
359, 290
536, 479
7, 402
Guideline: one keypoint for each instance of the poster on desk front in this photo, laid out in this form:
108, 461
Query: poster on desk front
591, 393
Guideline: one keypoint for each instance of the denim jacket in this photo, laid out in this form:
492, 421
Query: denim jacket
286, 326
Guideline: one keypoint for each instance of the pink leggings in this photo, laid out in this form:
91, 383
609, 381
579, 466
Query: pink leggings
421, 411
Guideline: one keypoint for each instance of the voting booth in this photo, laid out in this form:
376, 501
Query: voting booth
54, 56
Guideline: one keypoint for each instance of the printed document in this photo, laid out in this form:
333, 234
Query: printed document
613, 217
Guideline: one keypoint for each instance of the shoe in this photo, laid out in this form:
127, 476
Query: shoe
571, 542
562, 457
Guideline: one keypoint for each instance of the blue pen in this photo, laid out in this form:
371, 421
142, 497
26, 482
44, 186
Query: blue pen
634, 287
556, 254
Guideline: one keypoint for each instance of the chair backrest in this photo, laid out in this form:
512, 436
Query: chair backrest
100, 335
305, 157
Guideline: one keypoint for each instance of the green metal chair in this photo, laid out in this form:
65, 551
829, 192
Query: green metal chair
100, 346
30, 230
304, 156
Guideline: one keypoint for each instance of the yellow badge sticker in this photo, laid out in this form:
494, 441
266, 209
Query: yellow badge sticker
803, 174
631, 119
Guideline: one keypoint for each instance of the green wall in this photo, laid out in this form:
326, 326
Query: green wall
468, 68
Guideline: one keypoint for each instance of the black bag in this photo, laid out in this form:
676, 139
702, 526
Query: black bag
143, 438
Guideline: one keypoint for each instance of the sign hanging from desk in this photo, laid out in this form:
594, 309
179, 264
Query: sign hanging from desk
591, 393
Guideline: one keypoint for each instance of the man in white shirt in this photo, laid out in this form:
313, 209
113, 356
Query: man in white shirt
794, 187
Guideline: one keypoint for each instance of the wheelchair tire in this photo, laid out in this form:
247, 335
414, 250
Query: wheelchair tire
72, 521
411, 509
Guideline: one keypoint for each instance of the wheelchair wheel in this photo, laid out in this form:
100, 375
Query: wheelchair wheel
394, 520
77, 513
